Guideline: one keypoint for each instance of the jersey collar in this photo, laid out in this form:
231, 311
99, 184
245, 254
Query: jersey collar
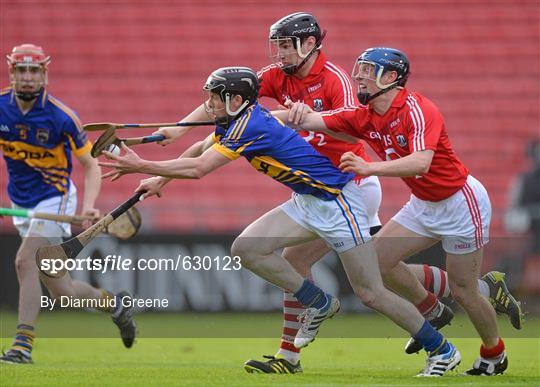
318, 66
231, 124
400, 98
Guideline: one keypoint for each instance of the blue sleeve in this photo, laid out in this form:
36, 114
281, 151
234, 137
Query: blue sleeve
78, 140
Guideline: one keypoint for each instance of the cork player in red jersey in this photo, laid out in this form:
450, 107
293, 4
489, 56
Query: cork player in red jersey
447, 204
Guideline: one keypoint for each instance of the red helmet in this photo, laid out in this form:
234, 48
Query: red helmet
29, 55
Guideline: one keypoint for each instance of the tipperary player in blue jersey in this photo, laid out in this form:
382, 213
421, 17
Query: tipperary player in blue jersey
38, 135
324, 204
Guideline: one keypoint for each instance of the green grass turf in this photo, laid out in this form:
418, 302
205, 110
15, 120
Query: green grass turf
177, 359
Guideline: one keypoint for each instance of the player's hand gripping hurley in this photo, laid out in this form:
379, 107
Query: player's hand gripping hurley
109, 139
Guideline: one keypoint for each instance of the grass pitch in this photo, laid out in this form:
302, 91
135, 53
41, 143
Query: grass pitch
167, 355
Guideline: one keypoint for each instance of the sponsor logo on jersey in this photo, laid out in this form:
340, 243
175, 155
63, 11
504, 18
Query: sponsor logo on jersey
25, 154
394, 123
401, 140
42, 135
4, 128
318, 105
311, 89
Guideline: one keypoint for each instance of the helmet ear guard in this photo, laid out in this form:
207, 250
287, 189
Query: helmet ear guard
227, 101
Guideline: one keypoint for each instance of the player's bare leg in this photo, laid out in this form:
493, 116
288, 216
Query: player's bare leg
463, 272
492, 286
121, 315
287, 359
257, 245
66, 286
362, 267
28, 277
393, 244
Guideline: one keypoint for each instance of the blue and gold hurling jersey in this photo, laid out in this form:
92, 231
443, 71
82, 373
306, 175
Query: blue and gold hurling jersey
37, 147
279, 152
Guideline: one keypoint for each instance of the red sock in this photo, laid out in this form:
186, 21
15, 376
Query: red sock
428, 305
291, 309
492, 352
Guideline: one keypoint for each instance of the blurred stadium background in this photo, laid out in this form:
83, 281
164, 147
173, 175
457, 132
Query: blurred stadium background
146, 61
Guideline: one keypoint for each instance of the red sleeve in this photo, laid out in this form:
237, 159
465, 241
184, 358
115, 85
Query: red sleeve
425, 124
266, 80
351, 121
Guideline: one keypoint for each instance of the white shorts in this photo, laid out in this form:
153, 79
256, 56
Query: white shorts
343, 222
54, 231
460, 221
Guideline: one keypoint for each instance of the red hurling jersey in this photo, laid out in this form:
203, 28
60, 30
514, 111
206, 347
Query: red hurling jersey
327, 87
413, 123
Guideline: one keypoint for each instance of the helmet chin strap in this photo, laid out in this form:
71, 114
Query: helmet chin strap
364, 98
27, 97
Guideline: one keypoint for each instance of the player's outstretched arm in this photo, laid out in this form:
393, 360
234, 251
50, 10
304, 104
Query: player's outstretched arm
153, 185
92, 186
183, 168
415, 164
173, 133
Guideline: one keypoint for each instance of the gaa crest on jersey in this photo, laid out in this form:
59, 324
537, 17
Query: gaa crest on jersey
401, 140
42, 135
318, 105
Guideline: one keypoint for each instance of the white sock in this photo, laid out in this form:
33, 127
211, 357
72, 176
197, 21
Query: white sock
291, 357
484, 288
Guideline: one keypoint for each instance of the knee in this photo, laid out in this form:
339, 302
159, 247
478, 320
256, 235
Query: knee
462, 294
367, 296
25, 265
57, 290
246, 249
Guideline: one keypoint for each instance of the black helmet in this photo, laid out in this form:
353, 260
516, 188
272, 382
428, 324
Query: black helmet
297, 27
230, 81
383, 59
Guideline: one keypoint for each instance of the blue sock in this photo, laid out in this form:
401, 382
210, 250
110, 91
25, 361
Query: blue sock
432, 340
311, 296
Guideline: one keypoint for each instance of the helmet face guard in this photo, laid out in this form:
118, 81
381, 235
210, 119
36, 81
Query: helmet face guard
27, 58
373, 63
